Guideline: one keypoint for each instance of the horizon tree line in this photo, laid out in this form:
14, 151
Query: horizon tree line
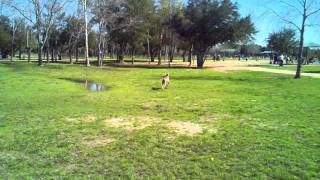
158, 29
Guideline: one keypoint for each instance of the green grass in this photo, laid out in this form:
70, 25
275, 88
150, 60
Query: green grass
255, 125
305, 69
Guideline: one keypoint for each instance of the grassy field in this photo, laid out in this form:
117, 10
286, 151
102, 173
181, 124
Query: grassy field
207, 125
305, 69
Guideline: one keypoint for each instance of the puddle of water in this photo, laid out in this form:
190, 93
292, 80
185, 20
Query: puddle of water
90, 85
94, 87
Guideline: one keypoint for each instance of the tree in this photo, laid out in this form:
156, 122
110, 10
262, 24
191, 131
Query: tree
20, 42
305, 10
85, 8
112, 18
14, 27
211, 22
101, 20
122, 22
44, 13
5, 37
250, 49
71, 34
167, 36
182, 26
283, 41
154, 35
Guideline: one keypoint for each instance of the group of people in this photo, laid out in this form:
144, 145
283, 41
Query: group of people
280, 59
216, 57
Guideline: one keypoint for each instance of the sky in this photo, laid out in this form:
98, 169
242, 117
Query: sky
266, 15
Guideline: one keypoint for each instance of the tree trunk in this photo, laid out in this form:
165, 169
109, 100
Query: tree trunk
121, 53
201, 56
152, 57
52, 54
148, 42
159, 56
56, 56
29, 54
171, 53
48, 52
184, 55
200, 60
28, 45
12, 47
70, 55
100, 48
40, 46
99, 59
132, 56
300, 59
111, 52
165, 53
160, 48
77, 54
120, 58
39, 55
20, 53
190, 56
86, 33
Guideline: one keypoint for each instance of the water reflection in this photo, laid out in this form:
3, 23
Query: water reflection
90, 85
94, 87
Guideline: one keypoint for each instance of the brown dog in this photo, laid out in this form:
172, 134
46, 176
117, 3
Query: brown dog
165, 81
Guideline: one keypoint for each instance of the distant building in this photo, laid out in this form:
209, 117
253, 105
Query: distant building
267, 53
312, 45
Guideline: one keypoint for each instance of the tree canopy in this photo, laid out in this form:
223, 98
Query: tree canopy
206, 23
283, 41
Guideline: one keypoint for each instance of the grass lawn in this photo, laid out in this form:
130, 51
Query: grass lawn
207, 125
305, 69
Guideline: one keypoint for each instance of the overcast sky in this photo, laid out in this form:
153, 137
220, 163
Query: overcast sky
262, 13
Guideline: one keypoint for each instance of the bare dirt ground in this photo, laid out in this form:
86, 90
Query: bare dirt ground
225, 66
222, 66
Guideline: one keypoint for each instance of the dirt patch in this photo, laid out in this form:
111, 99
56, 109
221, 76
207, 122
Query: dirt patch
185, 128
257, 66
94, 143
131, 123
149, 105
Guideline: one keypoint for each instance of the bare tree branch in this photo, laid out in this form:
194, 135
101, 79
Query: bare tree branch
286, 20
292, 6
313, 12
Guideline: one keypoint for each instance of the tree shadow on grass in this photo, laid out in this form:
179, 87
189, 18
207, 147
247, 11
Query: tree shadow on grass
210, 78
75, 80
312, 72
16, 67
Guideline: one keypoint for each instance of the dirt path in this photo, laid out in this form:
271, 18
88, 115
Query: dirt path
224, 66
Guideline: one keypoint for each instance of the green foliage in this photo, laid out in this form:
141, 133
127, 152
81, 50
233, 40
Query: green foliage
207, 23
283, 41
250, 49
5, 36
